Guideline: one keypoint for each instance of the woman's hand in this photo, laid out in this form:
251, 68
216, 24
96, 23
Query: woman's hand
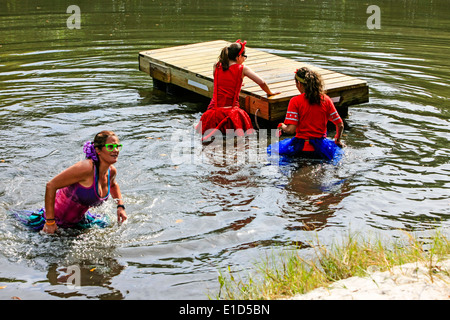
50, 228
339, 143
121, 215
272, 94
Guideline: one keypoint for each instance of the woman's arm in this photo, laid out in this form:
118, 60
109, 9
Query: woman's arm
339, 131
79, 172
289, 129
258, 80
117, 195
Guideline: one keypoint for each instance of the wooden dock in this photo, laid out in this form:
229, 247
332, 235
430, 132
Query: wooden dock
191, 67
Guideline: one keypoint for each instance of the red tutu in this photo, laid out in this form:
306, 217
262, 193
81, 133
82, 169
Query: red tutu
225, 118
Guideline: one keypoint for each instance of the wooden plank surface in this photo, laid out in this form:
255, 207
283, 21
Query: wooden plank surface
191, 67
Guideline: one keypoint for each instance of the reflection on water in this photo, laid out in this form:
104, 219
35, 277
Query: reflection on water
315, 193
189, 219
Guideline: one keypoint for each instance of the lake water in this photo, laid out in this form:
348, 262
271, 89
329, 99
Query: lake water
189, 220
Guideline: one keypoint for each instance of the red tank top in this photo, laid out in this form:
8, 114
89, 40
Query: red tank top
227, 85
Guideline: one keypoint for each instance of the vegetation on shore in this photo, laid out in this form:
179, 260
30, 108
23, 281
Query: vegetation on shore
285, 273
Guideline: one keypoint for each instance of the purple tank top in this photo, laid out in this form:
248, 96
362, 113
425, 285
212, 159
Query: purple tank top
72, 202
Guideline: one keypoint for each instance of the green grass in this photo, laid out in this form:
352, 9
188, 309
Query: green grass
285, 273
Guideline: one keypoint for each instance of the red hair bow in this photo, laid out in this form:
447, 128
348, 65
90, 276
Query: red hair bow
242, 46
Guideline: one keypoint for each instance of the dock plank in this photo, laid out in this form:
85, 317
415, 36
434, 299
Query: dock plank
191, 66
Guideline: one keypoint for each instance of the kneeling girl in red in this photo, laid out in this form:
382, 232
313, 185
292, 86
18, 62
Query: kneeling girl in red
224, 111
307, 116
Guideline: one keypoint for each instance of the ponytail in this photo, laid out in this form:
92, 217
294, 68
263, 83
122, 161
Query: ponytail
230, 53
224, 61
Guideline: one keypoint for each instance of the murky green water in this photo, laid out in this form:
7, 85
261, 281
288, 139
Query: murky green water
188, 220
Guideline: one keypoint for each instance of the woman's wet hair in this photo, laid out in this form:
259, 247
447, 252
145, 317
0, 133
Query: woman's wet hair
101, 137
90, 147
313, 84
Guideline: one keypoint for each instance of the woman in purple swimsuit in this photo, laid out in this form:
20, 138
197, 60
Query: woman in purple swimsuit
86, 184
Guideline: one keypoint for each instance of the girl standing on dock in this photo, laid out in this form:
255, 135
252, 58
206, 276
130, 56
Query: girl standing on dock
224, 111
307, 117
86, 184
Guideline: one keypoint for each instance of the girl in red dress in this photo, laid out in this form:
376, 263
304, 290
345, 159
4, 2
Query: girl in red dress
224, 111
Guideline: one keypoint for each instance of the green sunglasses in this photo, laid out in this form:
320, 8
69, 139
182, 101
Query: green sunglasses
110, 147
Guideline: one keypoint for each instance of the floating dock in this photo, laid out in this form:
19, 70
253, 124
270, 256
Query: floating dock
191, 67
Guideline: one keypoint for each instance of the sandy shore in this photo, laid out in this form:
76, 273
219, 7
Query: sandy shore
413, 281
